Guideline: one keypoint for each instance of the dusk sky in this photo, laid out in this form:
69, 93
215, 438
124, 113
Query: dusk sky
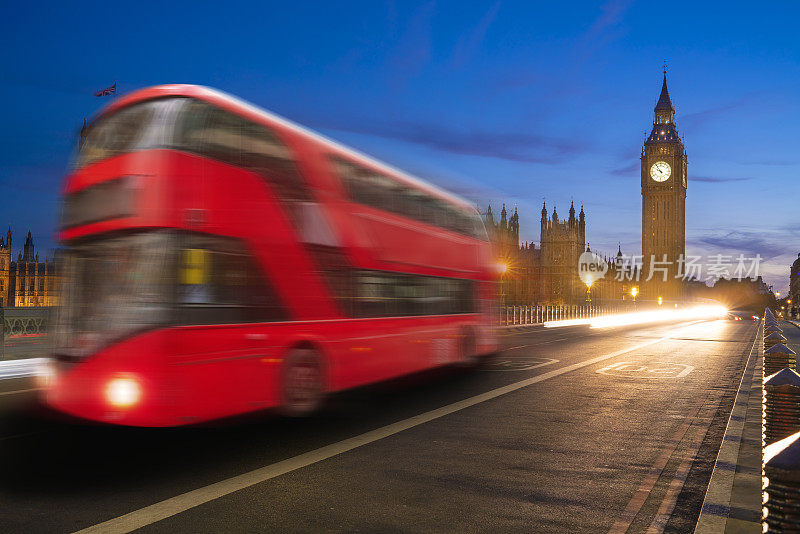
497, 101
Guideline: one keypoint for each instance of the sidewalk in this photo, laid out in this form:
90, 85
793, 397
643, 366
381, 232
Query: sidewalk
733, 498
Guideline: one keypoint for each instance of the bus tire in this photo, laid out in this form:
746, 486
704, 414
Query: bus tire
302, 382
467, 349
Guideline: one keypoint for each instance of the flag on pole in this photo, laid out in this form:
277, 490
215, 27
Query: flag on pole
108, 90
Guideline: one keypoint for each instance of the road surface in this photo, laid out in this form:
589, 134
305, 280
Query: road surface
566, 430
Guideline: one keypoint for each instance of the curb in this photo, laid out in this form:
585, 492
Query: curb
721, 510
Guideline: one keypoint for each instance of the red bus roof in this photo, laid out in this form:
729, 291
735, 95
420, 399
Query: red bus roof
233, 104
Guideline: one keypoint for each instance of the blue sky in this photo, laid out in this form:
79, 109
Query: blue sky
505, 100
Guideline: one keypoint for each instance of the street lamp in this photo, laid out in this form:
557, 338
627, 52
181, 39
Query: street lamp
634, 292
502, 269
589, 283
660, 300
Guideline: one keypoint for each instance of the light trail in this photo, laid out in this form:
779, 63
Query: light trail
654, 316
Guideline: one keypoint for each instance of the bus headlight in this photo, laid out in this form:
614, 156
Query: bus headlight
45, 374
123, 392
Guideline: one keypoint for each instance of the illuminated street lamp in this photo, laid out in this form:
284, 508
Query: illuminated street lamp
589, 281
502, 269
634, 292
660, 300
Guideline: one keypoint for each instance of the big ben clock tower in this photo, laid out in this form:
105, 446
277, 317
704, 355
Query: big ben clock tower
663, 204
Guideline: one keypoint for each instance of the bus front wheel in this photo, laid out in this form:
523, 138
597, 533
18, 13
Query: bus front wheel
302, 382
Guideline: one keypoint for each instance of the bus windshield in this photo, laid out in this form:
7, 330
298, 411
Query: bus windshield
114, 287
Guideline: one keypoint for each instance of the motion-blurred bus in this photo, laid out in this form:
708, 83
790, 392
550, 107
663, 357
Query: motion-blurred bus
220, 259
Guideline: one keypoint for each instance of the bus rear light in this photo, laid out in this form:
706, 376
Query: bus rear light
123, 392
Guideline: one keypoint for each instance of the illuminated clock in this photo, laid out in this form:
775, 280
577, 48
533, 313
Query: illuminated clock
660, 171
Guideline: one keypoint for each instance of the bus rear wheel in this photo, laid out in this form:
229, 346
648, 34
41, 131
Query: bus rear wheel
467, 349
302, 383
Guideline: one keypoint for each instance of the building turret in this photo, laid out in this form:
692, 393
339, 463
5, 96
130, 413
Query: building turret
544, 218
503, 218
8, 238
555, 215
571, 214
489, 215
27, 252
513, 226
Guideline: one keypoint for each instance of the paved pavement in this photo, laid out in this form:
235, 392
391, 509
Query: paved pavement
567, 430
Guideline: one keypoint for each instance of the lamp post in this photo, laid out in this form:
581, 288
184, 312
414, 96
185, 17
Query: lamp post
589, 283
634, 292
660, 301
502, 268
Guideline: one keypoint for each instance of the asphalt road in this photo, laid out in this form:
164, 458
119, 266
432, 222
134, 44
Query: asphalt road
566, 430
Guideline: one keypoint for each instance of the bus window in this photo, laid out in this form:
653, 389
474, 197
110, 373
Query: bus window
373, 189
216, 133
219, 283
136, 127
386, 294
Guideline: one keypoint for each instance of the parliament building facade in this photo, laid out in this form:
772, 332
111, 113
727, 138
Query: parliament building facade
26, 281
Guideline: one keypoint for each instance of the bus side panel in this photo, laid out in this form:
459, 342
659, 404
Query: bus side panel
82, 389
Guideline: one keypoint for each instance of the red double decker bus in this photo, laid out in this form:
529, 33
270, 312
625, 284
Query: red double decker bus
220, 259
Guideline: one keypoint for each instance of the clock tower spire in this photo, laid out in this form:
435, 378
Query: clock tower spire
663, 203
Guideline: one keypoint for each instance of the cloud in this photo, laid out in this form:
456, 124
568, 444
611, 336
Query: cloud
413, 50
468, 44
599, 34
523, 147
718, 179
775, 163
627, 170
699, 118
743, 242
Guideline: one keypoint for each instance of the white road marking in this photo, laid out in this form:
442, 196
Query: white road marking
18, 391
191, 499
519, 364
637, 370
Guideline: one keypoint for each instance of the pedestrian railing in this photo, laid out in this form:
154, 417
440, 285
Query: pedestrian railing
527, 315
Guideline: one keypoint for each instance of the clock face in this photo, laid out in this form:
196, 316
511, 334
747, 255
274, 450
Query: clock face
660, 171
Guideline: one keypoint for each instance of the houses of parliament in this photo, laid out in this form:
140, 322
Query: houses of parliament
549, 274
26, 281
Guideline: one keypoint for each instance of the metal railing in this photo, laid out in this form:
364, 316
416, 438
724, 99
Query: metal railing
22, 322
525, 315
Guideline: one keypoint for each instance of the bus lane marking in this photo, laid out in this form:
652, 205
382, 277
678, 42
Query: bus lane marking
194, 498
639, 370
